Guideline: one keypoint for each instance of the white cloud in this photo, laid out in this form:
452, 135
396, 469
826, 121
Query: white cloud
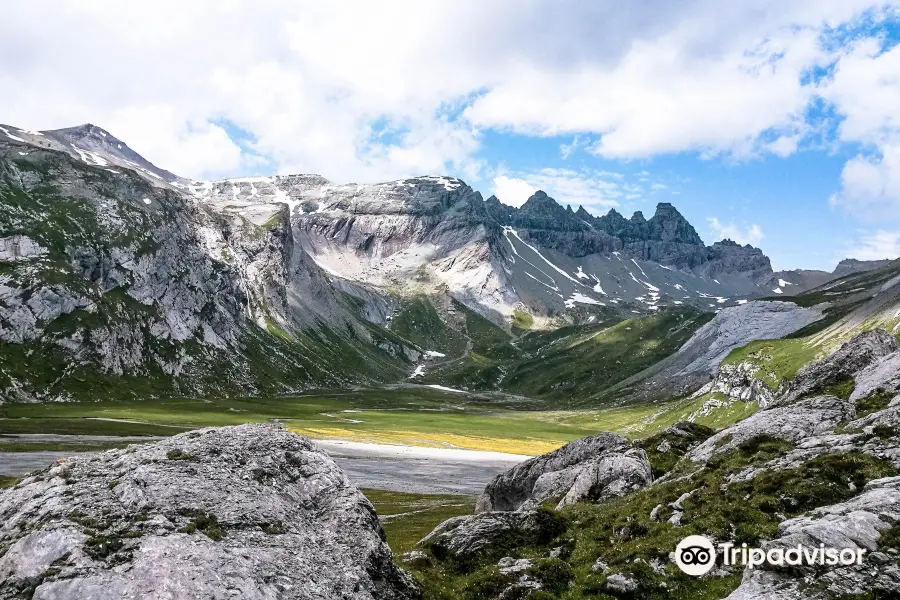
566, 150
865, 89
871, 185
585, 187
876, 246
367, 91
784, 146
748, 234
512, 191
189, 146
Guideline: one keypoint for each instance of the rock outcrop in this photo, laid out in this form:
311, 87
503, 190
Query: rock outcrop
881, 376
791, 423
472, 537
851, 358
591, 468
252, 511
859, 523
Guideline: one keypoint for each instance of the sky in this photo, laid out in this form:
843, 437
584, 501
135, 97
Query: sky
770, 122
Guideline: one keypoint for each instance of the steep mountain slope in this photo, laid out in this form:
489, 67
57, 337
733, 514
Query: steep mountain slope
431, 234
118, 282
130, 279
849, 309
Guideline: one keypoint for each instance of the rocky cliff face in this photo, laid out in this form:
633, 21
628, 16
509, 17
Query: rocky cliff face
114, 274
436, 233
251, 511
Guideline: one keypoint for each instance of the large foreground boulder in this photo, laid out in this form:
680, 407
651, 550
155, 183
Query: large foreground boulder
250, 512
592, 468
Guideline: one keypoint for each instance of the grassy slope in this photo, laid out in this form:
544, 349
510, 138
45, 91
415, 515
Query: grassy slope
407, 518
780, 360
578, 370
419, 322
571, 365
620, 533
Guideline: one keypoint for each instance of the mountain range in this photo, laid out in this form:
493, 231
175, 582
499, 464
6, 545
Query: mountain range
125, 277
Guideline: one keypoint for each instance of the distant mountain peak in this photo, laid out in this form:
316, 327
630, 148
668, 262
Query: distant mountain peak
540, 204
638, 217
669, 225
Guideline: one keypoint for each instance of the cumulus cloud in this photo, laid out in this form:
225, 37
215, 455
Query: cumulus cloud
363, 91
876, 246
871, 185
747, 234
512, 191
586, 187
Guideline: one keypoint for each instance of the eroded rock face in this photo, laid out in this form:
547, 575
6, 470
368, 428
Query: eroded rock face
591, 468
19, 247
252, 511
851, 358
791, 423
883, 376
859, 523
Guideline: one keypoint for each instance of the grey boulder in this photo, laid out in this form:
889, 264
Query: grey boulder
472, 537
591, 468
252, 512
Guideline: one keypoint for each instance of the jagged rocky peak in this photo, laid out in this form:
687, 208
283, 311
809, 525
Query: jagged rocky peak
581, 213
669, 225
540, 204
638, 218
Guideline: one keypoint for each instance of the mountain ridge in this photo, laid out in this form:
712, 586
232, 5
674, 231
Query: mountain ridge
132, 279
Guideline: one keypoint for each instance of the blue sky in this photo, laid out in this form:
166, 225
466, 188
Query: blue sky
773, 122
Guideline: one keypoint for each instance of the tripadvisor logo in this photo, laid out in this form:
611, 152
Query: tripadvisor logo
696, 555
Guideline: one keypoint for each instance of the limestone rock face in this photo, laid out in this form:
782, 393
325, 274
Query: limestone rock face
123, 273
791, 423
859, 523
19, 247
591, 468
851, 358
883, 375
252, 511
